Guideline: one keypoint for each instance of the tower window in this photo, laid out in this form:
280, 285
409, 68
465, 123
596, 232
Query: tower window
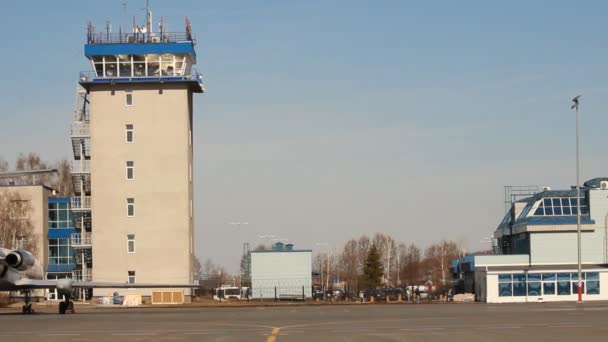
130, 207
128, 98
131, 243
131, 278
130, 170
129, 133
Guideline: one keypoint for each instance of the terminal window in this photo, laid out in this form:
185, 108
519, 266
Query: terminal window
547, 284
60, 252
564, 206
60, 215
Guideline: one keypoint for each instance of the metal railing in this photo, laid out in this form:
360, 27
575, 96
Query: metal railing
140, 38
86, 275
81, 203
81, 166
80, 240
80, 129
91, 76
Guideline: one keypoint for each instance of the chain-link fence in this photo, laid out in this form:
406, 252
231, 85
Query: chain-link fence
281, 289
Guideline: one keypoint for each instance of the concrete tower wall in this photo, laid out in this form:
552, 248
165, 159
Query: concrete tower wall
161, 152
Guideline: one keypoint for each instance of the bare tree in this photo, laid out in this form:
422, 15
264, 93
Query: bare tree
214, 275
3, 168
62, 180
411, 271
3, 165
350, 264
438, 258
31, 161
16, 228
363, 245
196, 266
387, 248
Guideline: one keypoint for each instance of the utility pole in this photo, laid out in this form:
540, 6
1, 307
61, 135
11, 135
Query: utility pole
442, 264
388, 260
578, 202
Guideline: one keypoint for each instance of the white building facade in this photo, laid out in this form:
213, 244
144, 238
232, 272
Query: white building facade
537, 254
281, 273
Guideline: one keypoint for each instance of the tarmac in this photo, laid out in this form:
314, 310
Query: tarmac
297, 322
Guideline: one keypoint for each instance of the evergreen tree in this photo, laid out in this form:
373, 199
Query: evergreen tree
372, 269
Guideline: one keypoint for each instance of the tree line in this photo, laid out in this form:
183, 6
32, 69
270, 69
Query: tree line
61, 180
368, 262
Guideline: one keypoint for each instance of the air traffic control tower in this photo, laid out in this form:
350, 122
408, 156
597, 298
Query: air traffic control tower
138, 136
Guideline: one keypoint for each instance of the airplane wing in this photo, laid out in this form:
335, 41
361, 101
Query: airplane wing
27, 284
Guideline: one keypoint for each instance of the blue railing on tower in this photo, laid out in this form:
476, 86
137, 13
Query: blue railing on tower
139, 38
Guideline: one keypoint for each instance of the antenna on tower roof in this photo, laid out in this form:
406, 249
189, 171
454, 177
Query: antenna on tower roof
148, 18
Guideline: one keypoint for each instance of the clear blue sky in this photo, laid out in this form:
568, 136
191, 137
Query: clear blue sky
324, 120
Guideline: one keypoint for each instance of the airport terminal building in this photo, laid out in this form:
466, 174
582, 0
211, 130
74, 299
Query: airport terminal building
536, 250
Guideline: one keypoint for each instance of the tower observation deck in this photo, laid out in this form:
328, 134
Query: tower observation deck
141, 56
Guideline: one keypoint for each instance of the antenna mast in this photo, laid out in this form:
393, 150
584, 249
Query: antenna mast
148, 18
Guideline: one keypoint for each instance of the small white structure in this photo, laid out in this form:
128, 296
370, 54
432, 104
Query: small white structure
281, 273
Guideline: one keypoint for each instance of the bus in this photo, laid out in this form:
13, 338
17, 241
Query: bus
226, 292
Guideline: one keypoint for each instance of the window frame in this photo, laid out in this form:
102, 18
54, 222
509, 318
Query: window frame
130, 207
131, 243
129, 98
130, 168
131, 277
129, 129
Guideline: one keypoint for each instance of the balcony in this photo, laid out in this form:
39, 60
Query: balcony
80, 129
192, 77
80, 240
81, 166
86, 275
81, 203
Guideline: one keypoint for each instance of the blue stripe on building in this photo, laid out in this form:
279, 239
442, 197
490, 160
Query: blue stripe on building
139, 49
61, 233
62, 268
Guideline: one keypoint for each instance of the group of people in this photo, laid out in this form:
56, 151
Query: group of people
416, 293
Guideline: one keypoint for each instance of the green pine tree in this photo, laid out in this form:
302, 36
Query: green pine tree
373, 269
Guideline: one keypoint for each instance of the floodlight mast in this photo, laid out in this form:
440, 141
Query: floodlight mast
575, 103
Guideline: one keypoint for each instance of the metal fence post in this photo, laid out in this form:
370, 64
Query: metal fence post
275, 294
303, 296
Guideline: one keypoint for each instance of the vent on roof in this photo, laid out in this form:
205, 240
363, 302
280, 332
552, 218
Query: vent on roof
546, 188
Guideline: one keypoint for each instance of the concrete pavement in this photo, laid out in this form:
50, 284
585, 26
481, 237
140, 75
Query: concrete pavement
430, 322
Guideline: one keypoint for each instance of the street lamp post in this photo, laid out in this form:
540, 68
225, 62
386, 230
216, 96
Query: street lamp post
578, 201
